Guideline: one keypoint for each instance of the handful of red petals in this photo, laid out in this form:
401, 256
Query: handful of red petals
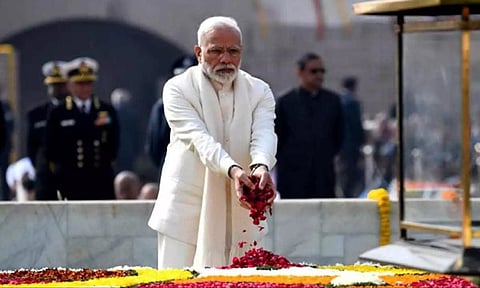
258, 200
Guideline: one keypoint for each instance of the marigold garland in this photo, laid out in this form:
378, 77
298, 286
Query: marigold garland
324, 280
383, 200
372, 267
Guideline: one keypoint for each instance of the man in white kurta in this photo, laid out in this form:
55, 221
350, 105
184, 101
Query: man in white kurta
222, 129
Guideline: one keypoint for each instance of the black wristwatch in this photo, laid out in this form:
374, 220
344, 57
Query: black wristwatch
256, 166
230, 169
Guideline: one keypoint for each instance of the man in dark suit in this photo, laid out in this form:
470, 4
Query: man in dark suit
37, 123
4, 191
124, 105
5, 152
82, 137
309, 126
3, 129
351, 174
158, 132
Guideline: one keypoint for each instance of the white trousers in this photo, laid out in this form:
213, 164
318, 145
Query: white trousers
173, 253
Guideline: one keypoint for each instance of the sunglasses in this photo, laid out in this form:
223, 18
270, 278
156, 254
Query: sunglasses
317, 70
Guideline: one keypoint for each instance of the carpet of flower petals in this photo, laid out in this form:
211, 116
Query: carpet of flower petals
23, 276
306, 277
266, 270
63, 278
228, 285
259, 257
444, 282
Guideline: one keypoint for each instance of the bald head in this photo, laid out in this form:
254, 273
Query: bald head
127, 185
148, 191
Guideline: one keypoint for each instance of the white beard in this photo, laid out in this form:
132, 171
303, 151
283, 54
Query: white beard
222, 78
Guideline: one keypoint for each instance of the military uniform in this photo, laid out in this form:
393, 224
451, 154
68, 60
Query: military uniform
81, 147
37, 122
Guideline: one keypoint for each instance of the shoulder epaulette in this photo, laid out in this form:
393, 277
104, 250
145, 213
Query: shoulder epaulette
68, 102
96, 102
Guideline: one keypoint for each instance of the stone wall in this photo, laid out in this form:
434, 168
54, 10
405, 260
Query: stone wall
109, 233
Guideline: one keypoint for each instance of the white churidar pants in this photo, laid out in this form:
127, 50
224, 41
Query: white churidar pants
173, 253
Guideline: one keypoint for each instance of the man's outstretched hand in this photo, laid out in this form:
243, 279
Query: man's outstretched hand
266, 182
260, 182
241, 181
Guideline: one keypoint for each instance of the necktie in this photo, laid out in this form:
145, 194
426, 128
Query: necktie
84, 109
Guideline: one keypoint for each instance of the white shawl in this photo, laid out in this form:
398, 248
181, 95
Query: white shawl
219, 196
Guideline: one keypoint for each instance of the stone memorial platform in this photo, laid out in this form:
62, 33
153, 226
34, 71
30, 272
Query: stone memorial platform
103, 234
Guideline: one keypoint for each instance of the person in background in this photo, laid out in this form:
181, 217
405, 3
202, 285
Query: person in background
309, 126
37, 122
82, 137
127, 185
7, 147
128, 122
351, 173
3, 129
3, 142
222, 130
158, 132
149, 191
385, 150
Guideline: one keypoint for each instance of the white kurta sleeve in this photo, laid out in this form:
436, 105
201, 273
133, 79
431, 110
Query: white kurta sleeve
189, 127
263, 145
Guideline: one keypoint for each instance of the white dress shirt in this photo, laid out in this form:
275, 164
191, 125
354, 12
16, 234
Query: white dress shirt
80, 103
226, 100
